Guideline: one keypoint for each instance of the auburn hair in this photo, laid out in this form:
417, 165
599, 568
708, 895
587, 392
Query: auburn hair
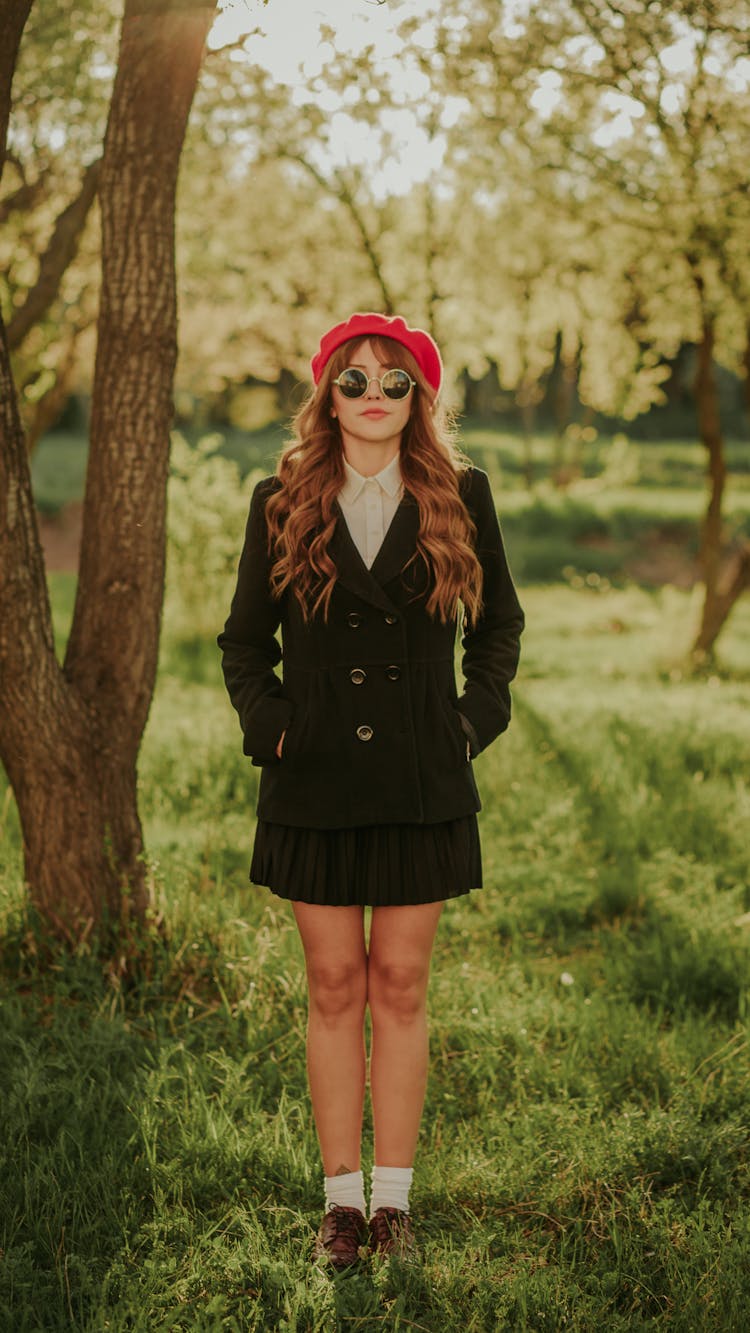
301, 518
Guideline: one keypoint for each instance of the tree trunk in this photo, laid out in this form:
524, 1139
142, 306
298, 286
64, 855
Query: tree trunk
709, 424
69, 738
734, 578
564, 396
13, 16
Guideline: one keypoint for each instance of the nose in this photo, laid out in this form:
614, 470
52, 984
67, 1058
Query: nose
378, 391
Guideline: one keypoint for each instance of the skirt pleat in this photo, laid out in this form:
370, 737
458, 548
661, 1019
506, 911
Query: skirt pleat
378, 865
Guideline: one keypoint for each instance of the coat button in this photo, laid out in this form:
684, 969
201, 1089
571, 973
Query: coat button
357, 675
390, 619
393, 672
354, 619
364, 733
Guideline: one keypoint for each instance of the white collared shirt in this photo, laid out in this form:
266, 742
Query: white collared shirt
368, 505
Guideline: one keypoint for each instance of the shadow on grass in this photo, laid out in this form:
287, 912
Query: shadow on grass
638, 797
149, 1130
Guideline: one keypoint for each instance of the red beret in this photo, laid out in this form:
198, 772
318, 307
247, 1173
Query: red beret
422, 347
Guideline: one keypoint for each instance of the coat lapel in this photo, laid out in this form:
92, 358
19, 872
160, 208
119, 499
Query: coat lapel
398, 544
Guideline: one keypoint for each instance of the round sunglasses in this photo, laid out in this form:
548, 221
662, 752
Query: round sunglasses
353, 383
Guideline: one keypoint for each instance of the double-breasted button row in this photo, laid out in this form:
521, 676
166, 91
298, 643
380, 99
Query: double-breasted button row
354, 619
358, 675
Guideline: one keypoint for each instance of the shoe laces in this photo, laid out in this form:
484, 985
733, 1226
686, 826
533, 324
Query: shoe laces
346, 1222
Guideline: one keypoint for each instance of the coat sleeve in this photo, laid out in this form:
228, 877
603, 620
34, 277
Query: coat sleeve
491, 648
250, 650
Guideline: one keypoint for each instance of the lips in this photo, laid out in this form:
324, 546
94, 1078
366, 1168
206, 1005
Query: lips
374, 412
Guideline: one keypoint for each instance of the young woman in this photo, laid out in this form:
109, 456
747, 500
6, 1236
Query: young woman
361, 546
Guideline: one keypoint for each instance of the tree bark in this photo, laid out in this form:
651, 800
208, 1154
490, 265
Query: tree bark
13, 16
709, 424
69, 738
734, 577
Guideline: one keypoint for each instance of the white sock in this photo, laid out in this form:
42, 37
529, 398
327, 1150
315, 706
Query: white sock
390, 1188
348, 1190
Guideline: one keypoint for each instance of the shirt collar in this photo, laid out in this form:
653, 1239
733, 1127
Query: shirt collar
389, 478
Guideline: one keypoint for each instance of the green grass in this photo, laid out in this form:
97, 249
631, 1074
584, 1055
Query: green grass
583, 1161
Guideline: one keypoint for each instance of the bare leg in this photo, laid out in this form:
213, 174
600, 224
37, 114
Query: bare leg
401, 940
333, 939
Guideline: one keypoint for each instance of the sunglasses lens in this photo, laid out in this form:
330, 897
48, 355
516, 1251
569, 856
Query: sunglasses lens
352, 383
396, 384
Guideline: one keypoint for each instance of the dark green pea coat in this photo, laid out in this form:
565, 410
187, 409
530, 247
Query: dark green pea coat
376, 732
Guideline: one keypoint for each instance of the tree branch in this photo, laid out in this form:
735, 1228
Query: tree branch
60, 252
346, 195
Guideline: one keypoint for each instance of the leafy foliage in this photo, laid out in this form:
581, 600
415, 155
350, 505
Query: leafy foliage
207, 508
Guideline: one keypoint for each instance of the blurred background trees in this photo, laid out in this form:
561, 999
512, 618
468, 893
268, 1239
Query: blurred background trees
580, 236
577, 239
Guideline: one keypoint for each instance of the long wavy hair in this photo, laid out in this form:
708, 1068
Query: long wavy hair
301, 517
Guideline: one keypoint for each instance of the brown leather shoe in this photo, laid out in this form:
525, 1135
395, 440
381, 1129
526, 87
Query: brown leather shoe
340, 1235
391, 1233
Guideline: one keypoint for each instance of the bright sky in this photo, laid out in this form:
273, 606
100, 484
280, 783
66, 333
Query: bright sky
292, 28
292, 49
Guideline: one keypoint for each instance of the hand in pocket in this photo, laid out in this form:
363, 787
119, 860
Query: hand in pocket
280, 745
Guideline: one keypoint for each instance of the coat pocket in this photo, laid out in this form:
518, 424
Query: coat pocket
455, 735
308, 741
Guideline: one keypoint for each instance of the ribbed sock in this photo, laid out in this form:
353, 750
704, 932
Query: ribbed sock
390, 1188
348, 1189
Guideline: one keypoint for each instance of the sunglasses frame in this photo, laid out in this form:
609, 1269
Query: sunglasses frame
378, 380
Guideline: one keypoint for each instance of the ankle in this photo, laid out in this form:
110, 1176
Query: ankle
347, 1190
390, 1188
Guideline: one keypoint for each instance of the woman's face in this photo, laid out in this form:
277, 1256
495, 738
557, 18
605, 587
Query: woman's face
372, 419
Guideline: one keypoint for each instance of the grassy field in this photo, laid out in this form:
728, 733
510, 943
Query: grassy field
583, 1162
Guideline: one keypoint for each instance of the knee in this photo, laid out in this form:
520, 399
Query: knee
396, 990
337, 992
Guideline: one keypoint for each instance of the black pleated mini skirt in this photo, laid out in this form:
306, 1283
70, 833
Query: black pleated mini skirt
377, 865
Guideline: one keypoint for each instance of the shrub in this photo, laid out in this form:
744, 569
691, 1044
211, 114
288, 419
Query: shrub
207, 508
